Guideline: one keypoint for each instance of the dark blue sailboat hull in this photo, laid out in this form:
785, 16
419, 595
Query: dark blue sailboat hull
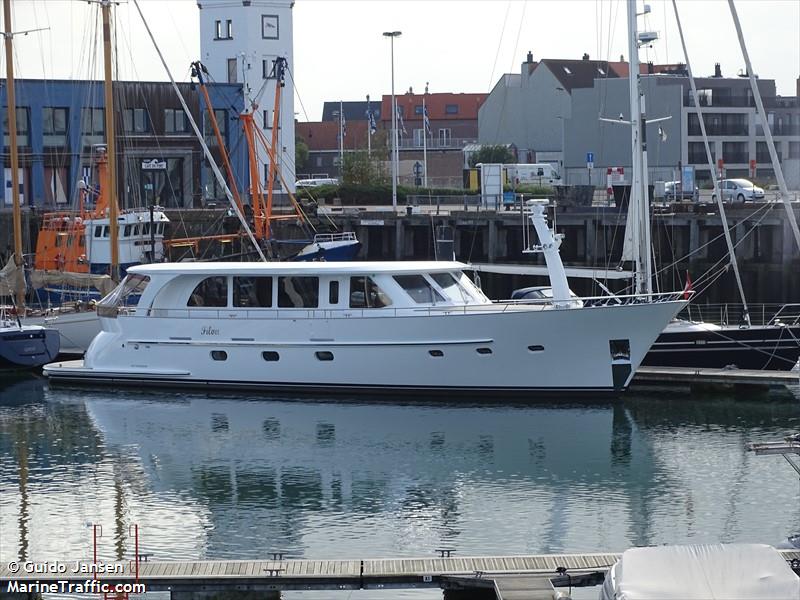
28, 347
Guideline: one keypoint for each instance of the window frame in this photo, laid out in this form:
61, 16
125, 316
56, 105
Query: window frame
264, 35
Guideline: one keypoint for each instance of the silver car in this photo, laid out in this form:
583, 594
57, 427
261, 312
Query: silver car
739, 190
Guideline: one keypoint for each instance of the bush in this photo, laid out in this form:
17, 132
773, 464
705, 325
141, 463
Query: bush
351, 194
532, 189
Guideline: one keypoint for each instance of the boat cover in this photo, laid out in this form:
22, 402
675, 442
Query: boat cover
703, 571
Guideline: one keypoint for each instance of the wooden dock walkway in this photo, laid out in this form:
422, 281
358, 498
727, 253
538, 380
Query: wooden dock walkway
512, 577
743, 378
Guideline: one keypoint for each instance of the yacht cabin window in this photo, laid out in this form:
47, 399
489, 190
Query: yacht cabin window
419, 289
298, 292
365, 293
126, 293
333, 292
212, 291
252, 292
451, 287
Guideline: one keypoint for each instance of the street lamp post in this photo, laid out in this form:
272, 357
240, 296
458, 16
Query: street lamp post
563, 118
391, 35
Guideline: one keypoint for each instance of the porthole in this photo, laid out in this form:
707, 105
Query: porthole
219, 355
324, 355
270, 356
436, 353
483, 350
536, 348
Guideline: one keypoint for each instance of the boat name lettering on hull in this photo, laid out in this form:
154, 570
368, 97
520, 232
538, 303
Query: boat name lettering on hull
208, 330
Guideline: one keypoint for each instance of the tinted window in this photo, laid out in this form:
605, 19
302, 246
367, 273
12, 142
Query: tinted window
324, 355
127, 231
418, 288
270, 356
298, 292
98, 229
365, 293
212, 291
333, 292
252, 292
450, 286
219, 355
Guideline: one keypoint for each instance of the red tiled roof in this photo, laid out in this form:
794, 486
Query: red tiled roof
468, 105
323, 135
622, 68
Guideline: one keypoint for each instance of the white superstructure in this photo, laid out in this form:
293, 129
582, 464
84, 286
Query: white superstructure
364, 326
239, 42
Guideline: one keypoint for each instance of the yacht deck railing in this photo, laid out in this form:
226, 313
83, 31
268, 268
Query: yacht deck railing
733, 314
502, 306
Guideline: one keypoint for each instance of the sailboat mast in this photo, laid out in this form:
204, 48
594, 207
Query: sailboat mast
639, 187
12, 142
773, 154
111, 152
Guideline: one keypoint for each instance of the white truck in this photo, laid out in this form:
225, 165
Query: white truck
532, 174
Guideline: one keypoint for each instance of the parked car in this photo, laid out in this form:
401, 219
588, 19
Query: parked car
739, 190
673, 190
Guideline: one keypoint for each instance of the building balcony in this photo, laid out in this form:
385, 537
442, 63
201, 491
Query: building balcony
436, 143
718, 130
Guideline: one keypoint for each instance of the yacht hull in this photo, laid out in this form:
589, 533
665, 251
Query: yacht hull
76, 329
770, 347
493, 350
27, 347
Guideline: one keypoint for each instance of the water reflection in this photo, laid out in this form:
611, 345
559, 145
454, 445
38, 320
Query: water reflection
237, 477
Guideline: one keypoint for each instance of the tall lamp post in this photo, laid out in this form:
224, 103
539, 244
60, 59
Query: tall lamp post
563, 118
391, 35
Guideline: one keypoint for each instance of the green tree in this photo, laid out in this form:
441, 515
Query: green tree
360, 168
300, 154
492, 154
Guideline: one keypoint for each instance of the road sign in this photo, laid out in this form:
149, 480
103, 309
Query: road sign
590, 157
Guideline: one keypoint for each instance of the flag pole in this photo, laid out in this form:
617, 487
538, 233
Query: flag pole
425, 139
369, 128
341, 140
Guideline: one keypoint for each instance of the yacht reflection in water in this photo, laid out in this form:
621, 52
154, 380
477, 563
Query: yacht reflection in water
232, 477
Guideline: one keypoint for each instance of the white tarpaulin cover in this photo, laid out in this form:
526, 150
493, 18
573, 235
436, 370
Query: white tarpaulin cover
702, 572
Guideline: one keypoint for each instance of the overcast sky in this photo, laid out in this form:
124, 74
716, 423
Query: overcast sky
456, 45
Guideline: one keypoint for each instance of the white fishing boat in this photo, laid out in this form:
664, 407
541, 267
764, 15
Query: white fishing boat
365, 326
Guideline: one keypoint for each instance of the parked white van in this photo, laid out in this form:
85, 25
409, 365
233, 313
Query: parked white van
534, 173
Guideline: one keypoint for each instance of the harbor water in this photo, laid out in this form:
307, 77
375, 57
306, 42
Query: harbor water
214, 476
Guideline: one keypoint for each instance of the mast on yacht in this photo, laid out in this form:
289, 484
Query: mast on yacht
111, 151
712, 170
639, 199
19, 284
773, 155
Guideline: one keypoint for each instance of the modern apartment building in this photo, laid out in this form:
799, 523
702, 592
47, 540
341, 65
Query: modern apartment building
59, 123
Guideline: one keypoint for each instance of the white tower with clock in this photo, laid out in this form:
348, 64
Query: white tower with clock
239, 40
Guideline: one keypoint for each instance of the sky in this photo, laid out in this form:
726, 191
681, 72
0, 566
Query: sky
455, 45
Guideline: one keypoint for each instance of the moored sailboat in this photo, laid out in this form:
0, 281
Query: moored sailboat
21, 346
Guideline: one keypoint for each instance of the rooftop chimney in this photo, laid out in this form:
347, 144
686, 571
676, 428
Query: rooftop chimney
585, 56
621, 58
530, 57
717, 70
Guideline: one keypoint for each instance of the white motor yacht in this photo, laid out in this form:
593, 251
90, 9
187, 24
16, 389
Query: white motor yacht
365, 326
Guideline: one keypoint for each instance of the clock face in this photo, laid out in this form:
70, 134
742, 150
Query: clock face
269, 27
